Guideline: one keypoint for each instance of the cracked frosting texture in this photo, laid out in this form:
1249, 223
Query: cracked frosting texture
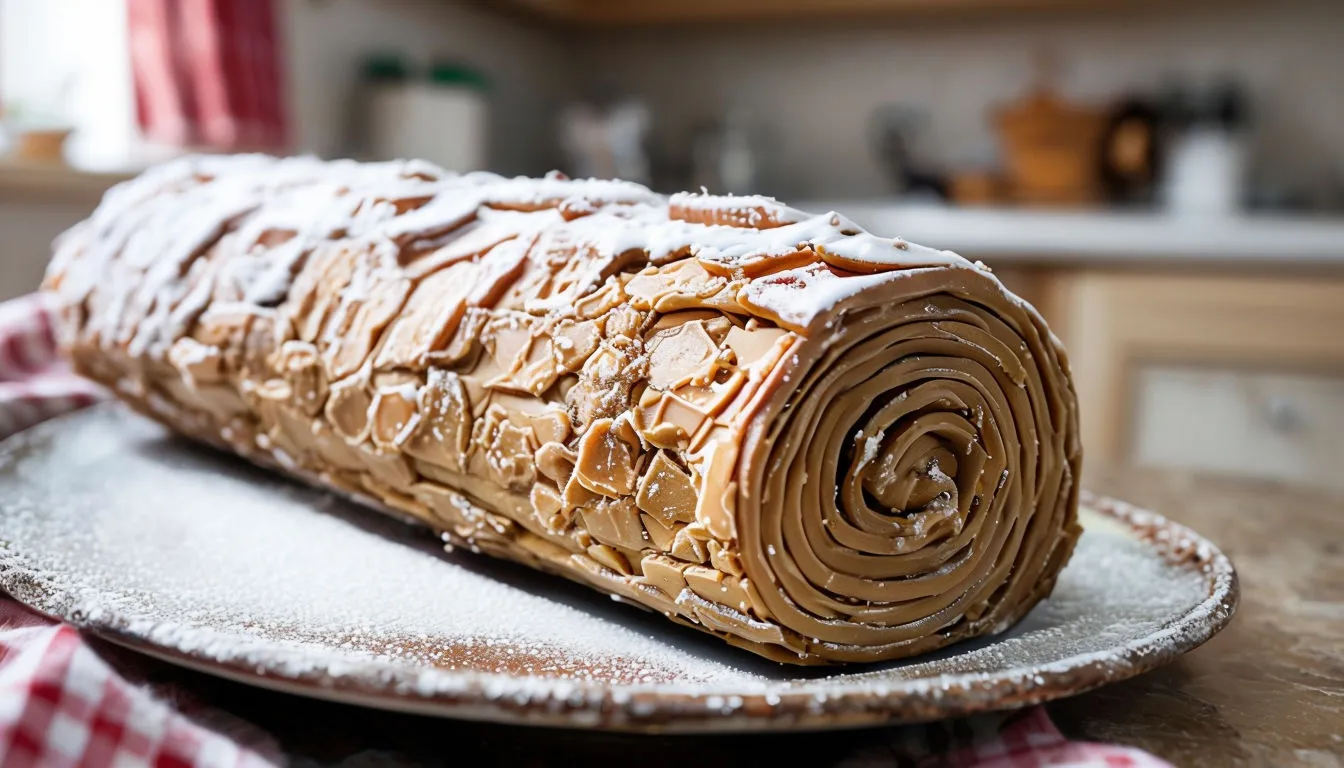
816, 443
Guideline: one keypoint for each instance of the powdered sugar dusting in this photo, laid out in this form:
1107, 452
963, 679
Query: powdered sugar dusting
799, 296
111, 524
143, 556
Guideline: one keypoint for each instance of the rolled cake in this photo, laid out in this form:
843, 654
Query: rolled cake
815, 443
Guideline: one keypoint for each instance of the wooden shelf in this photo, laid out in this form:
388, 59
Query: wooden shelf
28, 183
630, 13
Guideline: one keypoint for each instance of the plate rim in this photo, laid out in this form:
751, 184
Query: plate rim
658, 707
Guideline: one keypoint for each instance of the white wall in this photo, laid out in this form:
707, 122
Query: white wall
529, 70
818, 82
64, 61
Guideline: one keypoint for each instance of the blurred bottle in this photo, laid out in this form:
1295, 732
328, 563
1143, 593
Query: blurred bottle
725, 157
1205, 167
606, 139
895, 130
1131, 150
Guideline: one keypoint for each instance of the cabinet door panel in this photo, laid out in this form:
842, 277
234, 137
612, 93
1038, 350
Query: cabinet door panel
1264, 425
1116, 322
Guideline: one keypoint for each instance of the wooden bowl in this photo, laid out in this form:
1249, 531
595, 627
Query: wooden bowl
42, 146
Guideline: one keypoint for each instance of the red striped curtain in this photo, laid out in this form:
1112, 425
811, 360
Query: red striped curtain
209, 73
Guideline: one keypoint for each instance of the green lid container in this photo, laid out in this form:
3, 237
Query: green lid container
453, 73
385, 67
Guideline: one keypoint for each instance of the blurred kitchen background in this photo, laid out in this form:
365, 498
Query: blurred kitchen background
1163, 179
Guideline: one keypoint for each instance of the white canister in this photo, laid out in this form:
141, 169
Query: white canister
443, 119
1206, 159
1206, 170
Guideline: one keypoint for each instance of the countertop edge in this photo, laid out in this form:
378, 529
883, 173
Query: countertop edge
35, 182
1085, 237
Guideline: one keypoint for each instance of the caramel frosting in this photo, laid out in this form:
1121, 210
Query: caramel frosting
816, 443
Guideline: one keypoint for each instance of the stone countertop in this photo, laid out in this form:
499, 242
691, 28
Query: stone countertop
1002, 236
1267, 691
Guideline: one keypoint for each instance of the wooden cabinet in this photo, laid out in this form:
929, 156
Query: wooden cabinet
37, 203
1219, 371
1251, 423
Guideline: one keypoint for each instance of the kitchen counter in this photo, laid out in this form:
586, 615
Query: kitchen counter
1267, 691
1036, 236
39, 183
37, 203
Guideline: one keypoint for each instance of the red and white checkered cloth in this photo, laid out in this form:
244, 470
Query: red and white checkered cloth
67, 702
34, 386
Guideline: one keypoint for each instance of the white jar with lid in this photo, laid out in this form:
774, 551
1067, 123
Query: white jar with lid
442, 118
1207, 155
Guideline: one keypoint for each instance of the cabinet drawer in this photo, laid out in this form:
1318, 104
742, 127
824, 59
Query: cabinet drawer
1266, 425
